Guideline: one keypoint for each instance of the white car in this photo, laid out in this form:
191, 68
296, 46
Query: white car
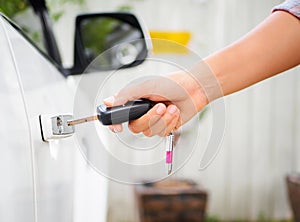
43, 181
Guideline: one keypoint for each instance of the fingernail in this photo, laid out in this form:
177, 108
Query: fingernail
110, 100
118, 129
111, 128
160, 109
172, 109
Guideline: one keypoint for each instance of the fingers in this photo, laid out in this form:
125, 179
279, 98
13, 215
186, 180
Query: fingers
142, 123
160, 125
170, 127
150, 118
109, 101
158, 121
117, 128
137, 89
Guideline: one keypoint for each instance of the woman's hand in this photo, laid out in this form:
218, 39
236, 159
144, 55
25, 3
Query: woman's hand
178, 96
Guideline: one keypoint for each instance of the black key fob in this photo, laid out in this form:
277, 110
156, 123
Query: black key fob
119, 114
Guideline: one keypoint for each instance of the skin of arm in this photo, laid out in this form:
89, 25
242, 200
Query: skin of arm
270, 48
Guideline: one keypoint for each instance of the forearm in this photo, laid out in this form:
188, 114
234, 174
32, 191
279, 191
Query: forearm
272, 47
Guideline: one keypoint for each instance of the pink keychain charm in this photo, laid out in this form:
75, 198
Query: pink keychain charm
169, 152
169, 155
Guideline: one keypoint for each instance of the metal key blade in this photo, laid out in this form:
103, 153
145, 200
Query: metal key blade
82, 120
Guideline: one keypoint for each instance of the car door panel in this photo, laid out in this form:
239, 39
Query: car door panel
16, 187
52, 167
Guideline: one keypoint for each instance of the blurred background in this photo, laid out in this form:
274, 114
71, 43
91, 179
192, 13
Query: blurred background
246, 181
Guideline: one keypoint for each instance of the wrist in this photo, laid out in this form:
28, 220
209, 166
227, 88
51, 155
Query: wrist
209, 88
198, 94
194, 89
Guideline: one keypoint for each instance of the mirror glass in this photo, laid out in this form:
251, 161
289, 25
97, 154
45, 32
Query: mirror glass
98, 34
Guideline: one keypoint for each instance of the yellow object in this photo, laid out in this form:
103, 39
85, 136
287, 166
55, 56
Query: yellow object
173, 42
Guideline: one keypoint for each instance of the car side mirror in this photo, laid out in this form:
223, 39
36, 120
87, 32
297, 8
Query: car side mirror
118, 37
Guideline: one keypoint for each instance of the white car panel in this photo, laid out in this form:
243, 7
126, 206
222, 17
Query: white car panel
40, 180
16, 186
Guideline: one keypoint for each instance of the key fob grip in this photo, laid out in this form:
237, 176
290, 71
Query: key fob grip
119, 114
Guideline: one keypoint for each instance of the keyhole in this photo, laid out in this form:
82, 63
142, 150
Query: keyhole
59, 124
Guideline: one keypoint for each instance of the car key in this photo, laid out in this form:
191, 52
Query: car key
129, 111
63, 125
118, 114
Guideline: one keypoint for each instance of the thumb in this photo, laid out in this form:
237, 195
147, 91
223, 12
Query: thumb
109, 101
135, 90
115, 100
120, 98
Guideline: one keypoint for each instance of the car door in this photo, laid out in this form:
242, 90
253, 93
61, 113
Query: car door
40, 181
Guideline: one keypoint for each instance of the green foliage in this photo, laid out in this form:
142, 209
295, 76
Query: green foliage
211, 218
11, 7
261, 217
57, 15
53, 3
96, 32
55, 7
14, 9
125, 8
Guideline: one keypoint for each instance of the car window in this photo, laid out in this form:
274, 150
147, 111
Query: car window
20, 31
21, 12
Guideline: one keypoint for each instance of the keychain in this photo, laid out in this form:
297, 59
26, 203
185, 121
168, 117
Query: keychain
62, 126
169, 152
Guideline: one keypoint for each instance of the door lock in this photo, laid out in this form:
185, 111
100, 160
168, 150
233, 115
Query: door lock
55, 126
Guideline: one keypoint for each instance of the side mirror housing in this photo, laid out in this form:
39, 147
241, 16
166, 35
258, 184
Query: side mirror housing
118, 37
